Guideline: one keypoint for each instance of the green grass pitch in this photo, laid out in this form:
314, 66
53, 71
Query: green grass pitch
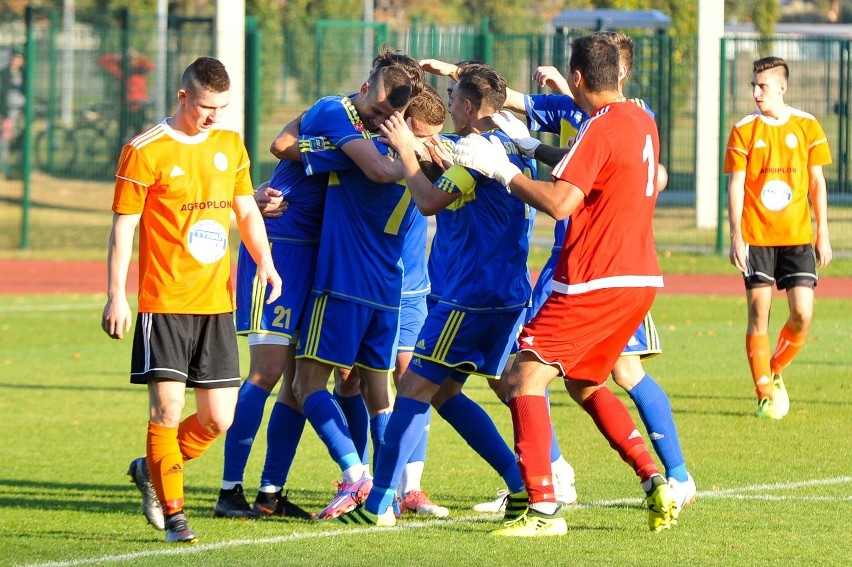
770, 493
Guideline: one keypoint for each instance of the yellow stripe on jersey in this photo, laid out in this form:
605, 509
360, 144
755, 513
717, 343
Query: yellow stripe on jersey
353, 116
448, 335
333, 179
398, 214
257, 292
315, 328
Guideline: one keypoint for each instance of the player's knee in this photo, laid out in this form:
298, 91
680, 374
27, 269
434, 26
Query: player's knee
265, 379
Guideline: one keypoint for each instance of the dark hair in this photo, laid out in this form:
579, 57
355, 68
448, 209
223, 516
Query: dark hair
205, 74
624, 43
768, 63
392, 82
596, 58
482, 85
390, 57
427, 106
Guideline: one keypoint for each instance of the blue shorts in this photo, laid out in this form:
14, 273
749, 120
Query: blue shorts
644, 341
453, 343
295, 264
412, 314
344, 334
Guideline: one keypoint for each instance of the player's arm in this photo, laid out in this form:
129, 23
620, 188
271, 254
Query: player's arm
819, 200
549, 76
428, 198
270, 202
736, 197
253, 234
557, 198
286, 143
377, 167
117, 317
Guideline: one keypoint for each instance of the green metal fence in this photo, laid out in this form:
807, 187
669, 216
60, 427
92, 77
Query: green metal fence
80, 116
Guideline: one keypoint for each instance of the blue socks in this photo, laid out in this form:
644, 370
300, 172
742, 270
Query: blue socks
358, 419
419, 454
328, 421
240, 436
477, 429
404, 429
656, 413
282, 438
378, 425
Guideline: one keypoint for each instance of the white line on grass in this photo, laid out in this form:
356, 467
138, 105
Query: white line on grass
179, 549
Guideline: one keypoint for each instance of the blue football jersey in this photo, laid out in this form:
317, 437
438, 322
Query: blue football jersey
334, 120
364, 229
415, 276
486, 239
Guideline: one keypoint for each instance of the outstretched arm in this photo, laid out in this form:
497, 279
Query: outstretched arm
428, 198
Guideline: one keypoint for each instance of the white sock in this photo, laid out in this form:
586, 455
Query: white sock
270, 489
229, 485
355, 472
548, 508
411, 476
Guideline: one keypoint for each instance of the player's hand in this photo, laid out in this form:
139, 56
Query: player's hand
438, 67
398, 135
487, 157
738, 254
823, 251
517, 130
116, 318
270, 201
267, 273
439, 153
548, 76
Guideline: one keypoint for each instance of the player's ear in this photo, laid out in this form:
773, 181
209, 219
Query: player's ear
181, 96
365, 88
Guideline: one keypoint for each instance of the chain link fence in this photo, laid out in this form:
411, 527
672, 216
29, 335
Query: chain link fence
99, 81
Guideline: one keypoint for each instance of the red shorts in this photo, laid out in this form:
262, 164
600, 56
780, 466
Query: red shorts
583, 335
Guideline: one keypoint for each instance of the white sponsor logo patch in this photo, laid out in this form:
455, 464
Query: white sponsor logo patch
776, 195
220, 160
207, 241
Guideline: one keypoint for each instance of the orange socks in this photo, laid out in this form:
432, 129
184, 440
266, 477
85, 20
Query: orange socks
789, 345
167, 449
193, 438
165, 464
757, 349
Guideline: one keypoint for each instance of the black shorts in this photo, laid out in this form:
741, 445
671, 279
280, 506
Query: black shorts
198, 350
785, 266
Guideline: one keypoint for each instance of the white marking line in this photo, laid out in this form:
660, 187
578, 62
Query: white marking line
183, 549
49, 307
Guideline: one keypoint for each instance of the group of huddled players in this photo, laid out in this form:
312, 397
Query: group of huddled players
345, 228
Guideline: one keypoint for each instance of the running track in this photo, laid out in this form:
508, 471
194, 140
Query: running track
49, 276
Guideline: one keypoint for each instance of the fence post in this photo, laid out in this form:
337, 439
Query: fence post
486, 42
723, 119
123, 118
29, 103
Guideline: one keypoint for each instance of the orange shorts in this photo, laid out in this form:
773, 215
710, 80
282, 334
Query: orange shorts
583, 335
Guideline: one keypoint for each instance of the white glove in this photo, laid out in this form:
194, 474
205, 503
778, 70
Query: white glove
516, 130
487, 157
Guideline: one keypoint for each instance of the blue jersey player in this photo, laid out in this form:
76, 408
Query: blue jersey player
484, 292
273, 329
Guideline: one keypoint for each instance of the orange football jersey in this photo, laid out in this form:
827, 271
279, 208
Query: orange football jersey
184, 187
775, 155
